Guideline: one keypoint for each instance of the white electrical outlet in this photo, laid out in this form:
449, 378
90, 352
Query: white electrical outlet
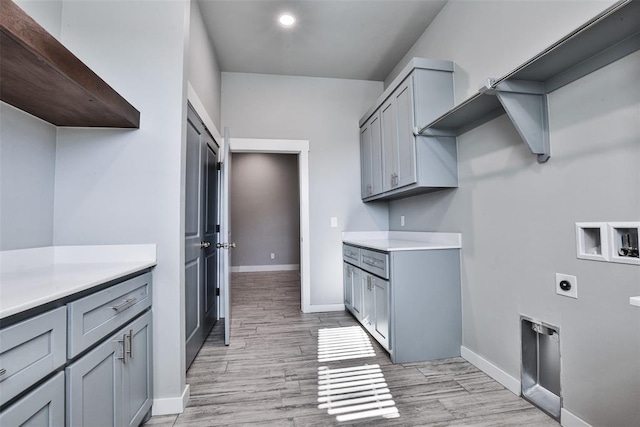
273, 256
401, 220
566, 285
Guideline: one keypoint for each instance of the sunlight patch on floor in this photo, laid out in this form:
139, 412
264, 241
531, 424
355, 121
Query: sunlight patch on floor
343, 344
355, 392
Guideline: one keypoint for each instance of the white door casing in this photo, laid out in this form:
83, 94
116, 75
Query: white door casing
301, 148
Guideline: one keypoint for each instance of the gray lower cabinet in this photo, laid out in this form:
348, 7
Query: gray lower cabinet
111, 385
31, 350
87, 363
411, 301
43, 407
352, 290
375, 317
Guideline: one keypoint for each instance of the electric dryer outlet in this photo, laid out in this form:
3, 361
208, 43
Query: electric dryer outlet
566, 285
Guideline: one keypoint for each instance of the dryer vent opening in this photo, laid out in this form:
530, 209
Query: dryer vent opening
541, 366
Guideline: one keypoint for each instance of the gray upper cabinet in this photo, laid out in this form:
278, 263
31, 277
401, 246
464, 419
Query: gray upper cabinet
389, 144
410, 164
371, 157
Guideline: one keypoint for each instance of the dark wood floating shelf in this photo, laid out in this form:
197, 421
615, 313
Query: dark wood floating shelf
42, 77
522, 93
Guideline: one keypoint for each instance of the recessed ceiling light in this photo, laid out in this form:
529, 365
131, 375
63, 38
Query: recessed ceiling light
287, 20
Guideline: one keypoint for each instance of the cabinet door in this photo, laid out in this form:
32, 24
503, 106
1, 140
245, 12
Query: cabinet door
380, 327
365, 160
376, 154
94, 386
406, 143
137, 376
389, 126
368, 302
31, 350
43, 407
356, 283
348, 286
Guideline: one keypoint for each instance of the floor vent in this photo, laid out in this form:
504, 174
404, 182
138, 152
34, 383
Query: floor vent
343, 343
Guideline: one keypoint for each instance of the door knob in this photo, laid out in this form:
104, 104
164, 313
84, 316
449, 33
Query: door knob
204, 245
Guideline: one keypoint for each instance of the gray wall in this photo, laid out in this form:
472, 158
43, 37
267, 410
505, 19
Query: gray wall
27, 168
115, 186
204, 72
325, 112
265, 209
517, 216
27, 159
47, 13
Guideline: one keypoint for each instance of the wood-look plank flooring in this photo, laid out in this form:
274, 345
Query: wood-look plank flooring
268, 376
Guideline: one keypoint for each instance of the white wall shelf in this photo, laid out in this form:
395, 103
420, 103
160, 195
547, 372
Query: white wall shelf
522, 93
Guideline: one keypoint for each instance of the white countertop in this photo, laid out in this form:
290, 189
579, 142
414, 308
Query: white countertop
390, 241
32, 277
635, 301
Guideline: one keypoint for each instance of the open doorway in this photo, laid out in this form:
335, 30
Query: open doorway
264, 198
300, 150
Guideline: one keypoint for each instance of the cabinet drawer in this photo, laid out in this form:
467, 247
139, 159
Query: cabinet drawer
44, 406
351, 254
375, 262
98, 315
30, 350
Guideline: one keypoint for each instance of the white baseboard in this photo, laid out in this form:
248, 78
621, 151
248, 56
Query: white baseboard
252, 268
325, 308
567, 419
172, 405
510, 383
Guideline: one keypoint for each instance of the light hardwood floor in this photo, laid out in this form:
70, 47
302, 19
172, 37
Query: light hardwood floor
268, 376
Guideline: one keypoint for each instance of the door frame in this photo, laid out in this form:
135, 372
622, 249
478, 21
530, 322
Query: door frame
301, 148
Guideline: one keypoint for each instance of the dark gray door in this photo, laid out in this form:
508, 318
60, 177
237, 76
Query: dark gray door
200, 240
210, 236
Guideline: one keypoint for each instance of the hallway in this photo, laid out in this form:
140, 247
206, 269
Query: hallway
268, 376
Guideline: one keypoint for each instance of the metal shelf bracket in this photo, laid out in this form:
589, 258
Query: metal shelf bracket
525, 103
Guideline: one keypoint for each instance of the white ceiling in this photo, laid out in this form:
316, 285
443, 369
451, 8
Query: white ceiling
350, 39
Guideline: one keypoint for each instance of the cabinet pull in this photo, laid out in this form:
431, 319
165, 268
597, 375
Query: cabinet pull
124, 305
124, 352
372, 262
130, 351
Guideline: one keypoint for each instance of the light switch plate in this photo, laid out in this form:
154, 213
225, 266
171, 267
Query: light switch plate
334, 221
571, 293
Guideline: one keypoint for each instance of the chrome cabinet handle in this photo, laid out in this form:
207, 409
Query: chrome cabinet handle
124, 305
371, 262
130, 351
205, 245
124, 351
